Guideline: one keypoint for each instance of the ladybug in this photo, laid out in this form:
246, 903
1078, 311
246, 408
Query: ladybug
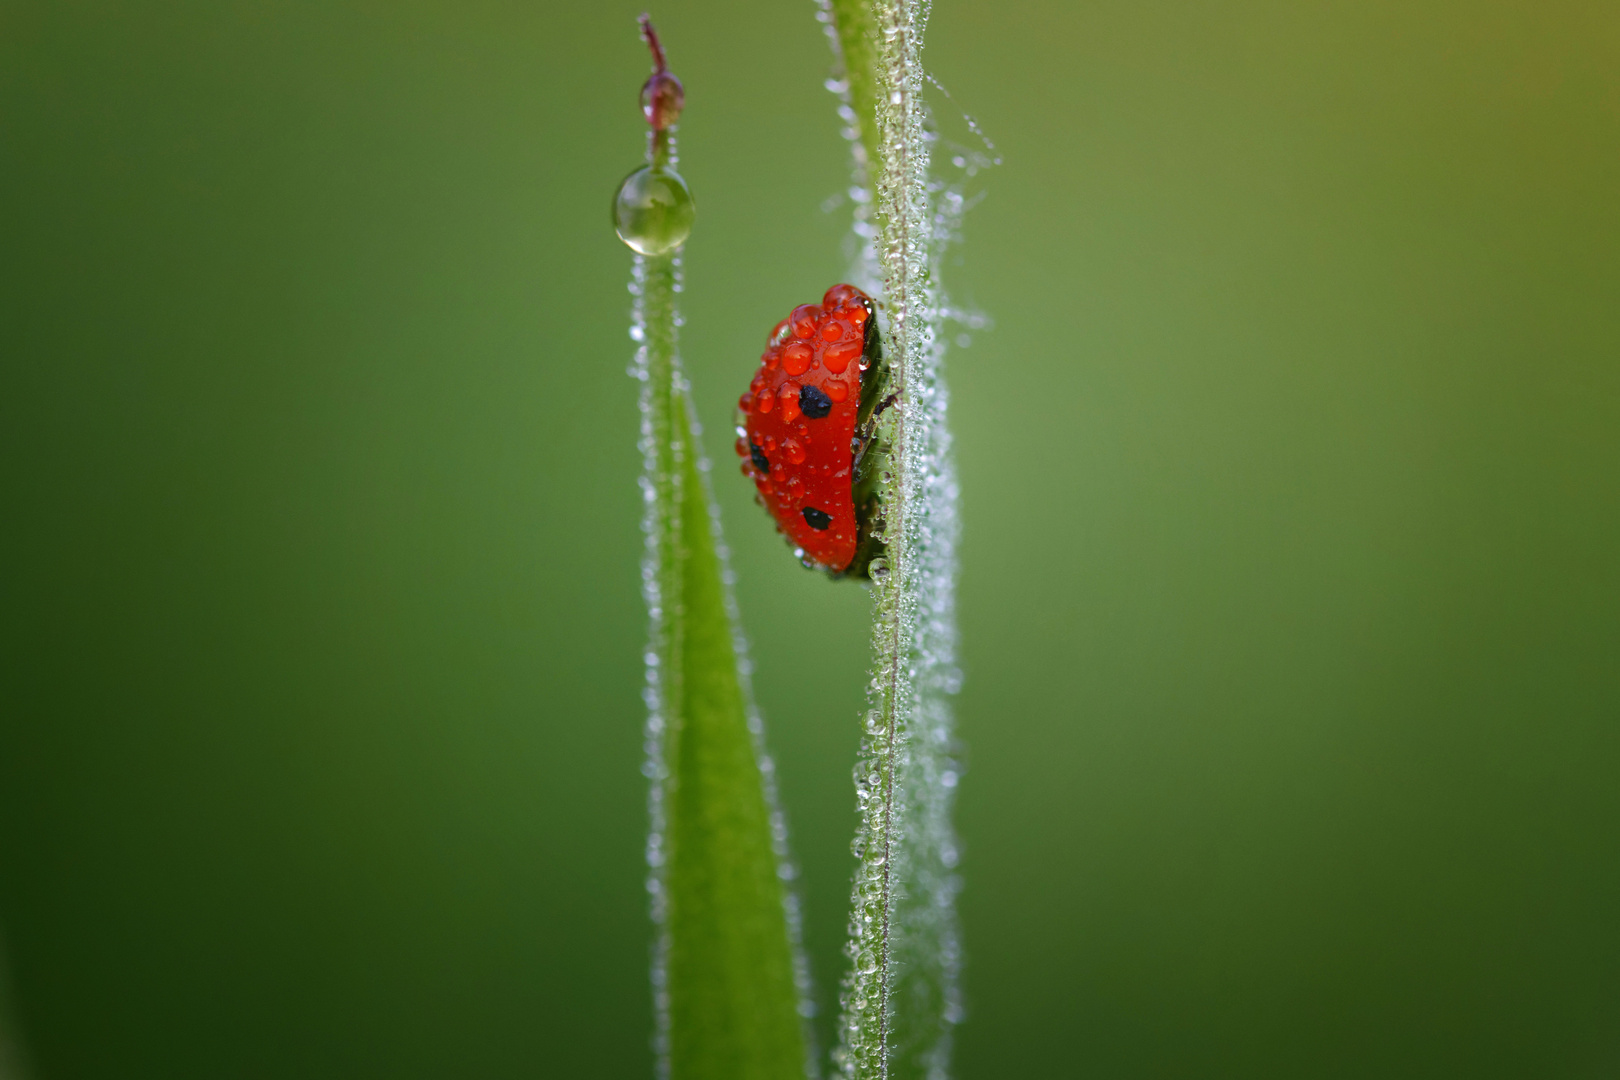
806, 431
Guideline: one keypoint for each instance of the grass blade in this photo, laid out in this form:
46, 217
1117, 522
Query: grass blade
729, 980
901, 999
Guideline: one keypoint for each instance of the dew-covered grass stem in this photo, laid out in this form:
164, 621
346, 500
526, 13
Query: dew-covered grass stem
900, 999
729, 981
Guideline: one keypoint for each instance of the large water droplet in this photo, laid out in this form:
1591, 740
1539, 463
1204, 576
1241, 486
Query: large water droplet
796, 358
653, 211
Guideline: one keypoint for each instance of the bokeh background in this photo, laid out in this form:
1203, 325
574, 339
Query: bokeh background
1291, 584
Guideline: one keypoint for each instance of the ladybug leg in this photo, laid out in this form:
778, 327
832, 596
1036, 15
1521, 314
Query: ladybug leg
867, 431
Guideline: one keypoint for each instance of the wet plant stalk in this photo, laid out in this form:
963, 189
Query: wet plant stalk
900, 998
728, 978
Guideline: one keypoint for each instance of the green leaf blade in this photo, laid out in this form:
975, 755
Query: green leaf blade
733, 998
900, 998
853, 33
726, 976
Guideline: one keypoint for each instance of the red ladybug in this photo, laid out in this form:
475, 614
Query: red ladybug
806, 430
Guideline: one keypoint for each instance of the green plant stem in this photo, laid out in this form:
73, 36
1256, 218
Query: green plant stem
726, 978
900, 997
853, 28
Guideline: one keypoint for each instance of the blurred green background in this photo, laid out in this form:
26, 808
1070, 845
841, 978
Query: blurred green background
1291, 586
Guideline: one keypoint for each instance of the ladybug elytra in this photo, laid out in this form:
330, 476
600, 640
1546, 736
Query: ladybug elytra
806, 430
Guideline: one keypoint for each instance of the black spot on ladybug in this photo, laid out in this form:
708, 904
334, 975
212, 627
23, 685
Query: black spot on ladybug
813, 403
757, 456
818, 520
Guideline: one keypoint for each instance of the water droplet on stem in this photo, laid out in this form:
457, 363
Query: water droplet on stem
653, 210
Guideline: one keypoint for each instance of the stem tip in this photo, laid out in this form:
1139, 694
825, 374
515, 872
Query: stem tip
662, 95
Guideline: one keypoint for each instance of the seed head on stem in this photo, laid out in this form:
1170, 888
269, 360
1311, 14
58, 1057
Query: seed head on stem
662, 95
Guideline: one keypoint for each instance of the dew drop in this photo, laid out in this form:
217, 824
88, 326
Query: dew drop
838, 355
796, 358
839, 293
788, 394
653, 210
804, 320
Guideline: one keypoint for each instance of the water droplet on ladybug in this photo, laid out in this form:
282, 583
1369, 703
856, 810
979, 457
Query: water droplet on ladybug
757, 456
779, 333
741, 447
653, 210
794, 452
818, 520
789, 395
836, 389
837, 295
746, 402
814, 403
832, 330
804, 319
838, 355
796, 358
795, 489
765, 402
770, 444
770, 358
778, 473
857, 314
